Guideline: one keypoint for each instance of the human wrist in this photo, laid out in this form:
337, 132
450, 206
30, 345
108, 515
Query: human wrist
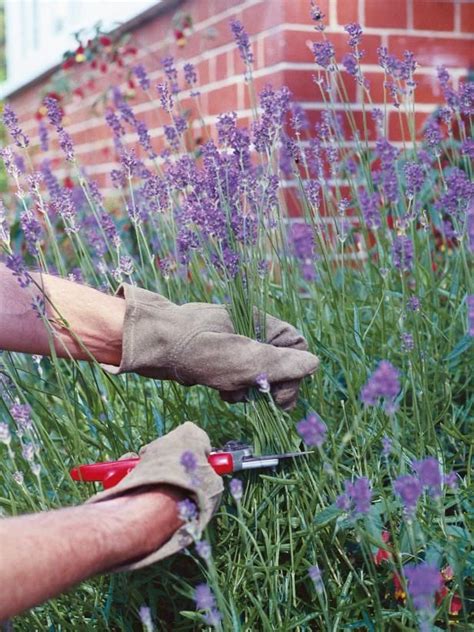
141, 521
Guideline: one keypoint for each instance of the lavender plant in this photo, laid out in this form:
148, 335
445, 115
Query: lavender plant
373, 530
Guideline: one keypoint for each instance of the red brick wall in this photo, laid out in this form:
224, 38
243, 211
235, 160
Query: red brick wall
437, 32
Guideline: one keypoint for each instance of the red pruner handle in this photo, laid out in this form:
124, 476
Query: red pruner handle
221, 462
108, 473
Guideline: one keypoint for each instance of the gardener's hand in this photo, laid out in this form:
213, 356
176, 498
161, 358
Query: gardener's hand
160, 466
196, 344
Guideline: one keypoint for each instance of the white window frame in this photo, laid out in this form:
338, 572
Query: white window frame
38, 32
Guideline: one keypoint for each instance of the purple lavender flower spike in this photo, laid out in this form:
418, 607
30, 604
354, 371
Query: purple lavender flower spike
190, 75
424, 581
262, 383
324, 54
402, 253
16, 264
369, 206
142, 76
315, 575
11, 123
355, 34
451, 480
414, 176
429, 474
414, 304
236, 489
145, 617
356, 498
187, 510
21, 414
408, 342
383, 383
242, 40
204, 550
189, 461
387, 446
203, 597
312, 430
409, 488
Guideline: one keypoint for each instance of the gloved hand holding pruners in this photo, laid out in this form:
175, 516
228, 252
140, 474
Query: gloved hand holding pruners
137, 521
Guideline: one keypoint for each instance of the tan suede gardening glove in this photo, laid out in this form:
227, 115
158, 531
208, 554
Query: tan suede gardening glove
195, 343
160, 464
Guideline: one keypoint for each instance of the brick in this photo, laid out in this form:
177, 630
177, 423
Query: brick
298, 11
433, 15
467, 17
347, 11
430, 51
222, 100
261, 17
386, 14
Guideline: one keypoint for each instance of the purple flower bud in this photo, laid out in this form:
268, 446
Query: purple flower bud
312, 430
429, 474
414, 304
355, 32
262, 383
387, 446
142, 76
369, 205
324, 54
11, 123
236, 489
414, 176
315, 575
21, 414
18, 477
451, 480
408, 343
145, 617
204, 550
189, 461
190, 75
187, 510
203, 597
28, 452
409, 488
383, 383
16, 264
242, 40
424, 581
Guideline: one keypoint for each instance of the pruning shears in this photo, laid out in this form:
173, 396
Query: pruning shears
235, 456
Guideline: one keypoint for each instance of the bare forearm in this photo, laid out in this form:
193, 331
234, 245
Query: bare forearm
95, 319
42, 555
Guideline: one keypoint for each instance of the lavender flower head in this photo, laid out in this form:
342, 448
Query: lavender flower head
429, 474
205, 600
187, 510
142, 76
424, 581
145, 617
369, 205
355, 34
357, 496
315, 575
188, 461
387, 446
242, 40
324, 54
204, 550
414, 304
16, 264
11, 123
312, 430
236, 489
409, 488
383, 383
262, 383
21, 414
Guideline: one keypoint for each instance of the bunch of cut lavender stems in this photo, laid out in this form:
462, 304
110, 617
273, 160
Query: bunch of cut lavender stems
374, 528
